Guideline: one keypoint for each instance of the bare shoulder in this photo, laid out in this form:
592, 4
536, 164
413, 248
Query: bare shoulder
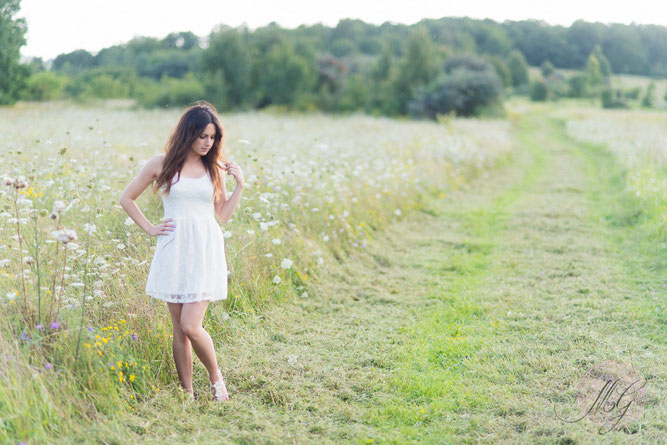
153, 166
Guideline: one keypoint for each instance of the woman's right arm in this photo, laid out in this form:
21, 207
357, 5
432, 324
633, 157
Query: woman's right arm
146, 176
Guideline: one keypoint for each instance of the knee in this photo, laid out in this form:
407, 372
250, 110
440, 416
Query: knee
190, 330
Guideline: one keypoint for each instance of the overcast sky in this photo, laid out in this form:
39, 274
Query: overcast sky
60, 26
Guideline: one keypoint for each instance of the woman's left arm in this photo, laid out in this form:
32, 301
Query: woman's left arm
225, 207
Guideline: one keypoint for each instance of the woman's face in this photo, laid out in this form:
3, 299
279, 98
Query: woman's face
204, 142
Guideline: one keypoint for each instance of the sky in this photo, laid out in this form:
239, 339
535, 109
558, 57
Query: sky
61, 26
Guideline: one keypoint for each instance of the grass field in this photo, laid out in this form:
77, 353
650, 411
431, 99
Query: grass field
454, 284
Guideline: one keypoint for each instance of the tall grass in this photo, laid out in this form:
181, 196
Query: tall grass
80, 338
638, 142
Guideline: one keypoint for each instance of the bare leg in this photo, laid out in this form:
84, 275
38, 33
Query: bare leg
192, 316
182, 348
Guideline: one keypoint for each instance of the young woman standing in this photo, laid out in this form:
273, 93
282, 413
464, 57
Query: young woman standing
189, 267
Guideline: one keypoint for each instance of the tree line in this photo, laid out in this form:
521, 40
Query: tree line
456, 65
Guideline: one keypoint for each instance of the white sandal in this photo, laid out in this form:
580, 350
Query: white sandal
219, 389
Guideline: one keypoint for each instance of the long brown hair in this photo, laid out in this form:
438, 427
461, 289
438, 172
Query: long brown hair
191, 125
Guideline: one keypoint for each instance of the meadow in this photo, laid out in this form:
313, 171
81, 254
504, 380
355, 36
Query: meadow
391, 281
79, 337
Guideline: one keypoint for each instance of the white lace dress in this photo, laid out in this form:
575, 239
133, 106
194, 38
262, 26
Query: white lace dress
189, 263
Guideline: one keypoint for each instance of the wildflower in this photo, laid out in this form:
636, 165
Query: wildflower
398, 212
276, 241
286, 263
65, 235
129, 221
264, 226
29, 260
39, 326
227, 234
20, 183
251, 232
48, 366
89, 228
55, 325
276, 279
9, 181
131, 377
134, 336
268, 255
304, 295
292, 359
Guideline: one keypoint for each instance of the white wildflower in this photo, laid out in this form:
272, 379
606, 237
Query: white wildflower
251, 232
276, 279
268, 255
304, 295
264, 226
89, 228
227, 234
286, 263
292, 359
65, 235
129, 221
276, 241
398, 212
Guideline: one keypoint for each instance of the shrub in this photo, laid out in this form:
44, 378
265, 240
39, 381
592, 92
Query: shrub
538, 91
612, 99
172, 92
44, 85
463, 92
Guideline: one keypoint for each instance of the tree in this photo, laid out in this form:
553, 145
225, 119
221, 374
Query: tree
547, 69
649, 99
12, 38
518, 68
605, 67
593, 74
419, 67
228, 58
75, 62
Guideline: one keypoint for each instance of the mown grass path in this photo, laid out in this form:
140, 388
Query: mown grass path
465, 323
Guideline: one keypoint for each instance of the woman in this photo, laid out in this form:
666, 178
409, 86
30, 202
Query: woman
189, 266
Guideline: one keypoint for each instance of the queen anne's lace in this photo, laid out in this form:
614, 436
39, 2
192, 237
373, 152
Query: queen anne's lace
189, 263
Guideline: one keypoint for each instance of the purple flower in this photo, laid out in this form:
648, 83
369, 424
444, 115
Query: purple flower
49, 366
134, 336
39, 326
55, 325
24, 336
90, 328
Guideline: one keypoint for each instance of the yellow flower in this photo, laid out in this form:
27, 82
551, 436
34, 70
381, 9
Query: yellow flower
99, 352
86, 345
105, 340
97, 336
41, 194
131, 377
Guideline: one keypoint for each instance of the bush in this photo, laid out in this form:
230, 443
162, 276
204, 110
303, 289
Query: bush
612, 99
44, 85
172, 92
468, 62
463, 92
633, 93
578, 85
538, 91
